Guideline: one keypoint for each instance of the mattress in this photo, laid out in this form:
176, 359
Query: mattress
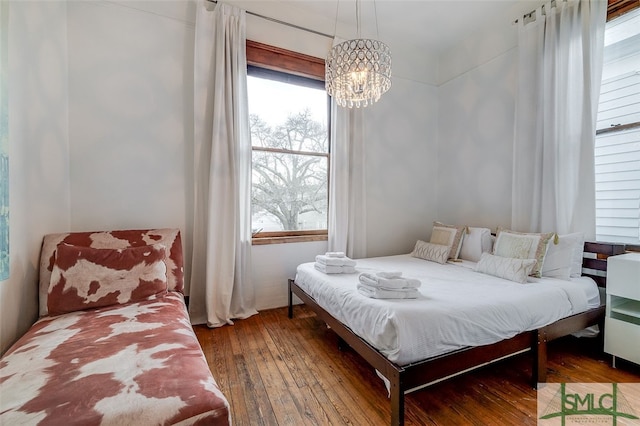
457, 307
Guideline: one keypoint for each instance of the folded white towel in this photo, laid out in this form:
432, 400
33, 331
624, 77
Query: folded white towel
328, 269
334, 254
389, 283
378, 293
393, 274
335, 261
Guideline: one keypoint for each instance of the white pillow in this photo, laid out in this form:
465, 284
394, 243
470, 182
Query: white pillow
433, 252
564, 258
505, 267
578, 253
521, 245
475, 242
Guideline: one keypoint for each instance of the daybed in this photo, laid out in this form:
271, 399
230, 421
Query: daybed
452, 336
114, 344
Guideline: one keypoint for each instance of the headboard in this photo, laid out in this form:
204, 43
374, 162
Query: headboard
594, 261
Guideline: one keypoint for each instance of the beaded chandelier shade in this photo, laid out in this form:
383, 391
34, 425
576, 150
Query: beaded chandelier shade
358, 72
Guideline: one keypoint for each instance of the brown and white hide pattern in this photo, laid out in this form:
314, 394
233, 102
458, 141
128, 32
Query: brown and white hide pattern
85, 277
132, 364
170, 238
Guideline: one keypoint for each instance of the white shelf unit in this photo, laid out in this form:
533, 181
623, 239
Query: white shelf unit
622, 322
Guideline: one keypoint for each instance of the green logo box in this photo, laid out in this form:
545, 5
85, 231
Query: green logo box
614, 404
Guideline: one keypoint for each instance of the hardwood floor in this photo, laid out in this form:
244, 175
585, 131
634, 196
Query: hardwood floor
277, 371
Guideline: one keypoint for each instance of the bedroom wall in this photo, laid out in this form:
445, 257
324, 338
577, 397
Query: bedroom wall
476, 99
38, 150
130, 111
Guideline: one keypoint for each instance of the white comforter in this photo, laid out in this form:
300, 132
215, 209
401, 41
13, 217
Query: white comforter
457, 308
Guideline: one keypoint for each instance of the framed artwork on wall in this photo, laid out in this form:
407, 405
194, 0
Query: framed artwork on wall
4, 143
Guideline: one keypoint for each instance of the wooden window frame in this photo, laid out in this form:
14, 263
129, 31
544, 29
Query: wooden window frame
290, 64
616, 8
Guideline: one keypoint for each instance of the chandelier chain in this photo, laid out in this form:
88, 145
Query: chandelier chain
358, 18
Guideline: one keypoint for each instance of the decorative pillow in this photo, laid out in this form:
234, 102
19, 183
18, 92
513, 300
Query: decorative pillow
119, 239
475, 242
562, 255
505, 267
85, 277
448, 235
521, 245
433, 252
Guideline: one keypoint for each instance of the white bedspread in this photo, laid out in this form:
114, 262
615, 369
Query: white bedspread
457, 307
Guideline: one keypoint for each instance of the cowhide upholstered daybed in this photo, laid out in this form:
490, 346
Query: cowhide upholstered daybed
114, 344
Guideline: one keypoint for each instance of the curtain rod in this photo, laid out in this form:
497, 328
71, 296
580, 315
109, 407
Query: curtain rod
277, 21
528, 15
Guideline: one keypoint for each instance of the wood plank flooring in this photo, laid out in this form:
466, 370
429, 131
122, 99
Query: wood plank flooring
277, 371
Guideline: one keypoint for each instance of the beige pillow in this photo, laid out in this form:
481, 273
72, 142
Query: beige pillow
520, 245
448, 235
434, 252
505, 267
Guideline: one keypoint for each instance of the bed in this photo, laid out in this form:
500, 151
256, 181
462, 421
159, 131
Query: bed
409, 360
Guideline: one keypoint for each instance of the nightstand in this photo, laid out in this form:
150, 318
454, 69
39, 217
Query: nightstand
622, 322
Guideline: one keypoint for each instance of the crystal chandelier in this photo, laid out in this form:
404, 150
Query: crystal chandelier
358, 72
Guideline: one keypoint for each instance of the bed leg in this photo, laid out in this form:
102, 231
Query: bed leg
342, 344
601, 335
540, 359
290, 311
397, 401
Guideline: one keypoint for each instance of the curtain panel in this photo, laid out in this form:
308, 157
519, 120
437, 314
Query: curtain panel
220, 286
559, 73
347, 210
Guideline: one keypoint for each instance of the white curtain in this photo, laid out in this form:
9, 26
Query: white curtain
347, 204
559, 73
221, 287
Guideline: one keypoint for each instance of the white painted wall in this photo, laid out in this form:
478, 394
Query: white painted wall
476, 99
38, 150
402, 158
130, 116
475, 130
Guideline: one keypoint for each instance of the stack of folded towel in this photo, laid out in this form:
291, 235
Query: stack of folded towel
388, 285
335, 262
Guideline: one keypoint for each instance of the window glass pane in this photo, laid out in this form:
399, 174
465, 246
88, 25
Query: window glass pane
289, 190
620, 90
287, 116
617, 153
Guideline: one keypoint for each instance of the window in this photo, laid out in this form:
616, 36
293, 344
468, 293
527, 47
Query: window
289, 123
617, 149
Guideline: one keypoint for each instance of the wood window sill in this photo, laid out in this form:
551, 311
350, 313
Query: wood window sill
258, 241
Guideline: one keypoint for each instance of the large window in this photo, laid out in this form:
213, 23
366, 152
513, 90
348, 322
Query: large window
289, 122
617, 153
